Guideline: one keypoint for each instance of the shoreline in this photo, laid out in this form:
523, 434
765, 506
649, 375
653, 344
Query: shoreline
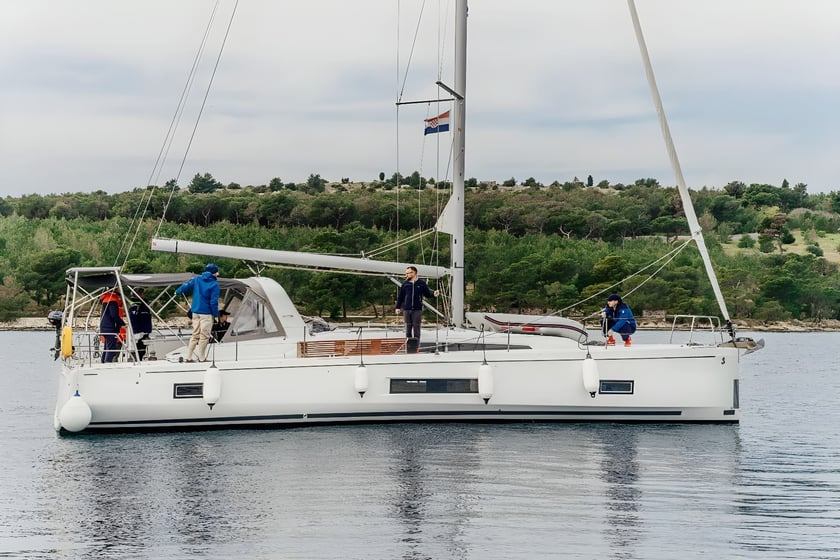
41, 324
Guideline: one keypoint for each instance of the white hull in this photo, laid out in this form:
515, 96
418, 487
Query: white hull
271, 368
670, 383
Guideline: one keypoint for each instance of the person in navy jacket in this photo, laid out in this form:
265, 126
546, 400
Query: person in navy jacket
110, 324
618, 318
410, 302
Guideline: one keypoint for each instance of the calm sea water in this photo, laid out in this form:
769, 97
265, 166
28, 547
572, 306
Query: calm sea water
768, 488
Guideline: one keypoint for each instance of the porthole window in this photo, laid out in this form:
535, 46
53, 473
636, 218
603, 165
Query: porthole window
188, 391
399, 386
616, 387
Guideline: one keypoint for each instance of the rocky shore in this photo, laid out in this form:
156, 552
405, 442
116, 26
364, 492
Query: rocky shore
27, 324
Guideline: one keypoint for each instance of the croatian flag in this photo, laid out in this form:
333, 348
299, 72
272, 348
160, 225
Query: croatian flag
439, 123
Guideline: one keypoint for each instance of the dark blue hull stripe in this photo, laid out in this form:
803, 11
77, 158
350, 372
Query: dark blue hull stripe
349, 416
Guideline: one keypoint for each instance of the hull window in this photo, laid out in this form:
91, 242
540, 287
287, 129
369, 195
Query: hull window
616, 388
188, 391
434, 386
735, 396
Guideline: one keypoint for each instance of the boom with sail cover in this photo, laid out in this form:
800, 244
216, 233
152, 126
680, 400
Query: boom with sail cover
293, 258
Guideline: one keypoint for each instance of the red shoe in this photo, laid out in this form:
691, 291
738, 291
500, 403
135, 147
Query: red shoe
627, 342
610, 341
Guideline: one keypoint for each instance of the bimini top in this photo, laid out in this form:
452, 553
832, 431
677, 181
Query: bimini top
106, 277
263, 308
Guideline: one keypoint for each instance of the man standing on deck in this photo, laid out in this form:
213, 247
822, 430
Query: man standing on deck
204, 308
410, 301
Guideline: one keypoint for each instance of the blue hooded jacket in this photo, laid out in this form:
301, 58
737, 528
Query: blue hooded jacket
205, 292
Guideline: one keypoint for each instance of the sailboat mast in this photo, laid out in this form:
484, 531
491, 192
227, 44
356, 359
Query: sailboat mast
688, 206
459, 118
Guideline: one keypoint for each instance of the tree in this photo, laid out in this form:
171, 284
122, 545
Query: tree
765, 243
5, 208
610, 269
12, 299
735, 189
746, 241
203, 184
590, 181
35, 206
776, 229
43, 275
415, 180
275, 209
315, 184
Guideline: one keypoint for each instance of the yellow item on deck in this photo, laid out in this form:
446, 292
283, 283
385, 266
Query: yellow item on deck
66, 342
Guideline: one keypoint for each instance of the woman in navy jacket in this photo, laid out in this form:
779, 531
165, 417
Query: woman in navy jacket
618, 319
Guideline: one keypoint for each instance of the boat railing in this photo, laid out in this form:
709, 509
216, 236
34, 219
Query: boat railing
696, 329
88, 346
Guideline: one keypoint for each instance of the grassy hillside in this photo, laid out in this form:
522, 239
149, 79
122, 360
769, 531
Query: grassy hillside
829, 243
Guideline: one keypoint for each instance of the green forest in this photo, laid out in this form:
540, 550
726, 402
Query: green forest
529, 247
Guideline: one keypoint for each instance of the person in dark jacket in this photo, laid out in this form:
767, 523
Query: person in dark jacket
410, 302
140, 317
110, 324
220, 327
204, 308
618, 318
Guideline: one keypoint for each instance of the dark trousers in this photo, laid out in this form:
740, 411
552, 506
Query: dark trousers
625, 331
112, 347
412, 318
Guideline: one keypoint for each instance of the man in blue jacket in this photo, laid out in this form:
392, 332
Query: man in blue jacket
410, 301
618, 319
204, 308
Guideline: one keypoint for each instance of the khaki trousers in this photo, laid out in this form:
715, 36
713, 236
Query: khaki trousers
202, 325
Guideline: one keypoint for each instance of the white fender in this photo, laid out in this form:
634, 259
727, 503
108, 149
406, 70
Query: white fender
485, 382
591, 378
75, 415
360, 382
212, 389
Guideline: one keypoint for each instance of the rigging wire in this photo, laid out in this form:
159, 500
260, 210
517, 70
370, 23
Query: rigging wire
157, 168
201, 110
402, 80
667, 257
399, 93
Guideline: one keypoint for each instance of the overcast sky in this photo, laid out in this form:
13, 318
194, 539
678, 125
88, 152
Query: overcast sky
556, 89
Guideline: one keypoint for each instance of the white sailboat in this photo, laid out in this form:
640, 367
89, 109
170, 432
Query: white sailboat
273, 368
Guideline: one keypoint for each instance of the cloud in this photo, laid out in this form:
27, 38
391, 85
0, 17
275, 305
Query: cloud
555, 90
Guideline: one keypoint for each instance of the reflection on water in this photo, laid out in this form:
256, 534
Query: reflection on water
620, 472
434, 469
769, 488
